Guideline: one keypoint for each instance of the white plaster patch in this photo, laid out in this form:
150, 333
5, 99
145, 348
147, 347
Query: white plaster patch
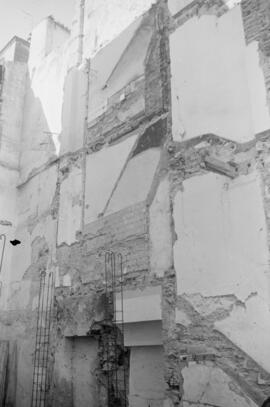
209, 83
136, 180
141, 305
249, 328
146, 380
177, 5
84, 365
209, 385
102, 171
160, 230
70, 209
222, 245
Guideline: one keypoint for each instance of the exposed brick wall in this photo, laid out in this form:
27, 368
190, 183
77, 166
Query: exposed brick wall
256, 20
145, 97
201, 342
197, 8
125, 232
121, 117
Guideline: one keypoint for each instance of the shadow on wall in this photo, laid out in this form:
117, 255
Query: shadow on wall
54, 113
39, 141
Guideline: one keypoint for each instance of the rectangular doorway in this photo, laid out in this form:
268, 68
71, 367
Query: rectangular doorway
84, 365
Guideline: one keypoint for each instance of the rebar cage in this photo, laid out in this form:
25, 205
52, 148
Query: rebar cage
114, 366
41, 379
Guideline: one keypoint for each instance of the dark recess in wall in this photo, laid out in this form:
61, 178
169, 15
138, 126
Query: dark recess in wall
152, 137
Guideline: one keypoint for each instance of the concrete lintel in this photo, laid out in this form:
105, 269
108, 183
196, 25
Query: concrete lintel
220, 167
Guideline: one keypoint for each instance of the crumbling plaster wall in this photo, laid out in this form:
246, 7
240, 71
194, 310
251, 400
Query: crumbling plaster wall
128, 184
115, 213
221, 251
36, 229
221, 225
209, 385
11, 118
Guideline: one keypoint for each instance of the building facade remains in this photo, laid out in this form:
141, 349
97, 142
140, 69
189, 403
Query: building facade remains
142, 131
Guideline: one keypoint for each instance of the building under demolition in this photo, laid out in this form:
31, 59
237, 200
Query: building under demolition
135, 207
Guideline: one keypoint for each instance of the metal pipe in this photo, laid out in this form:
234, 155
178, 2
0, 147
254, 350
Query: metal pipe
3, 249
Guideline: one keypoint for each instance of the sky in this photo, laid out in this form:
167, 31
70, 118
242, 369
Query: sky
18, 17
